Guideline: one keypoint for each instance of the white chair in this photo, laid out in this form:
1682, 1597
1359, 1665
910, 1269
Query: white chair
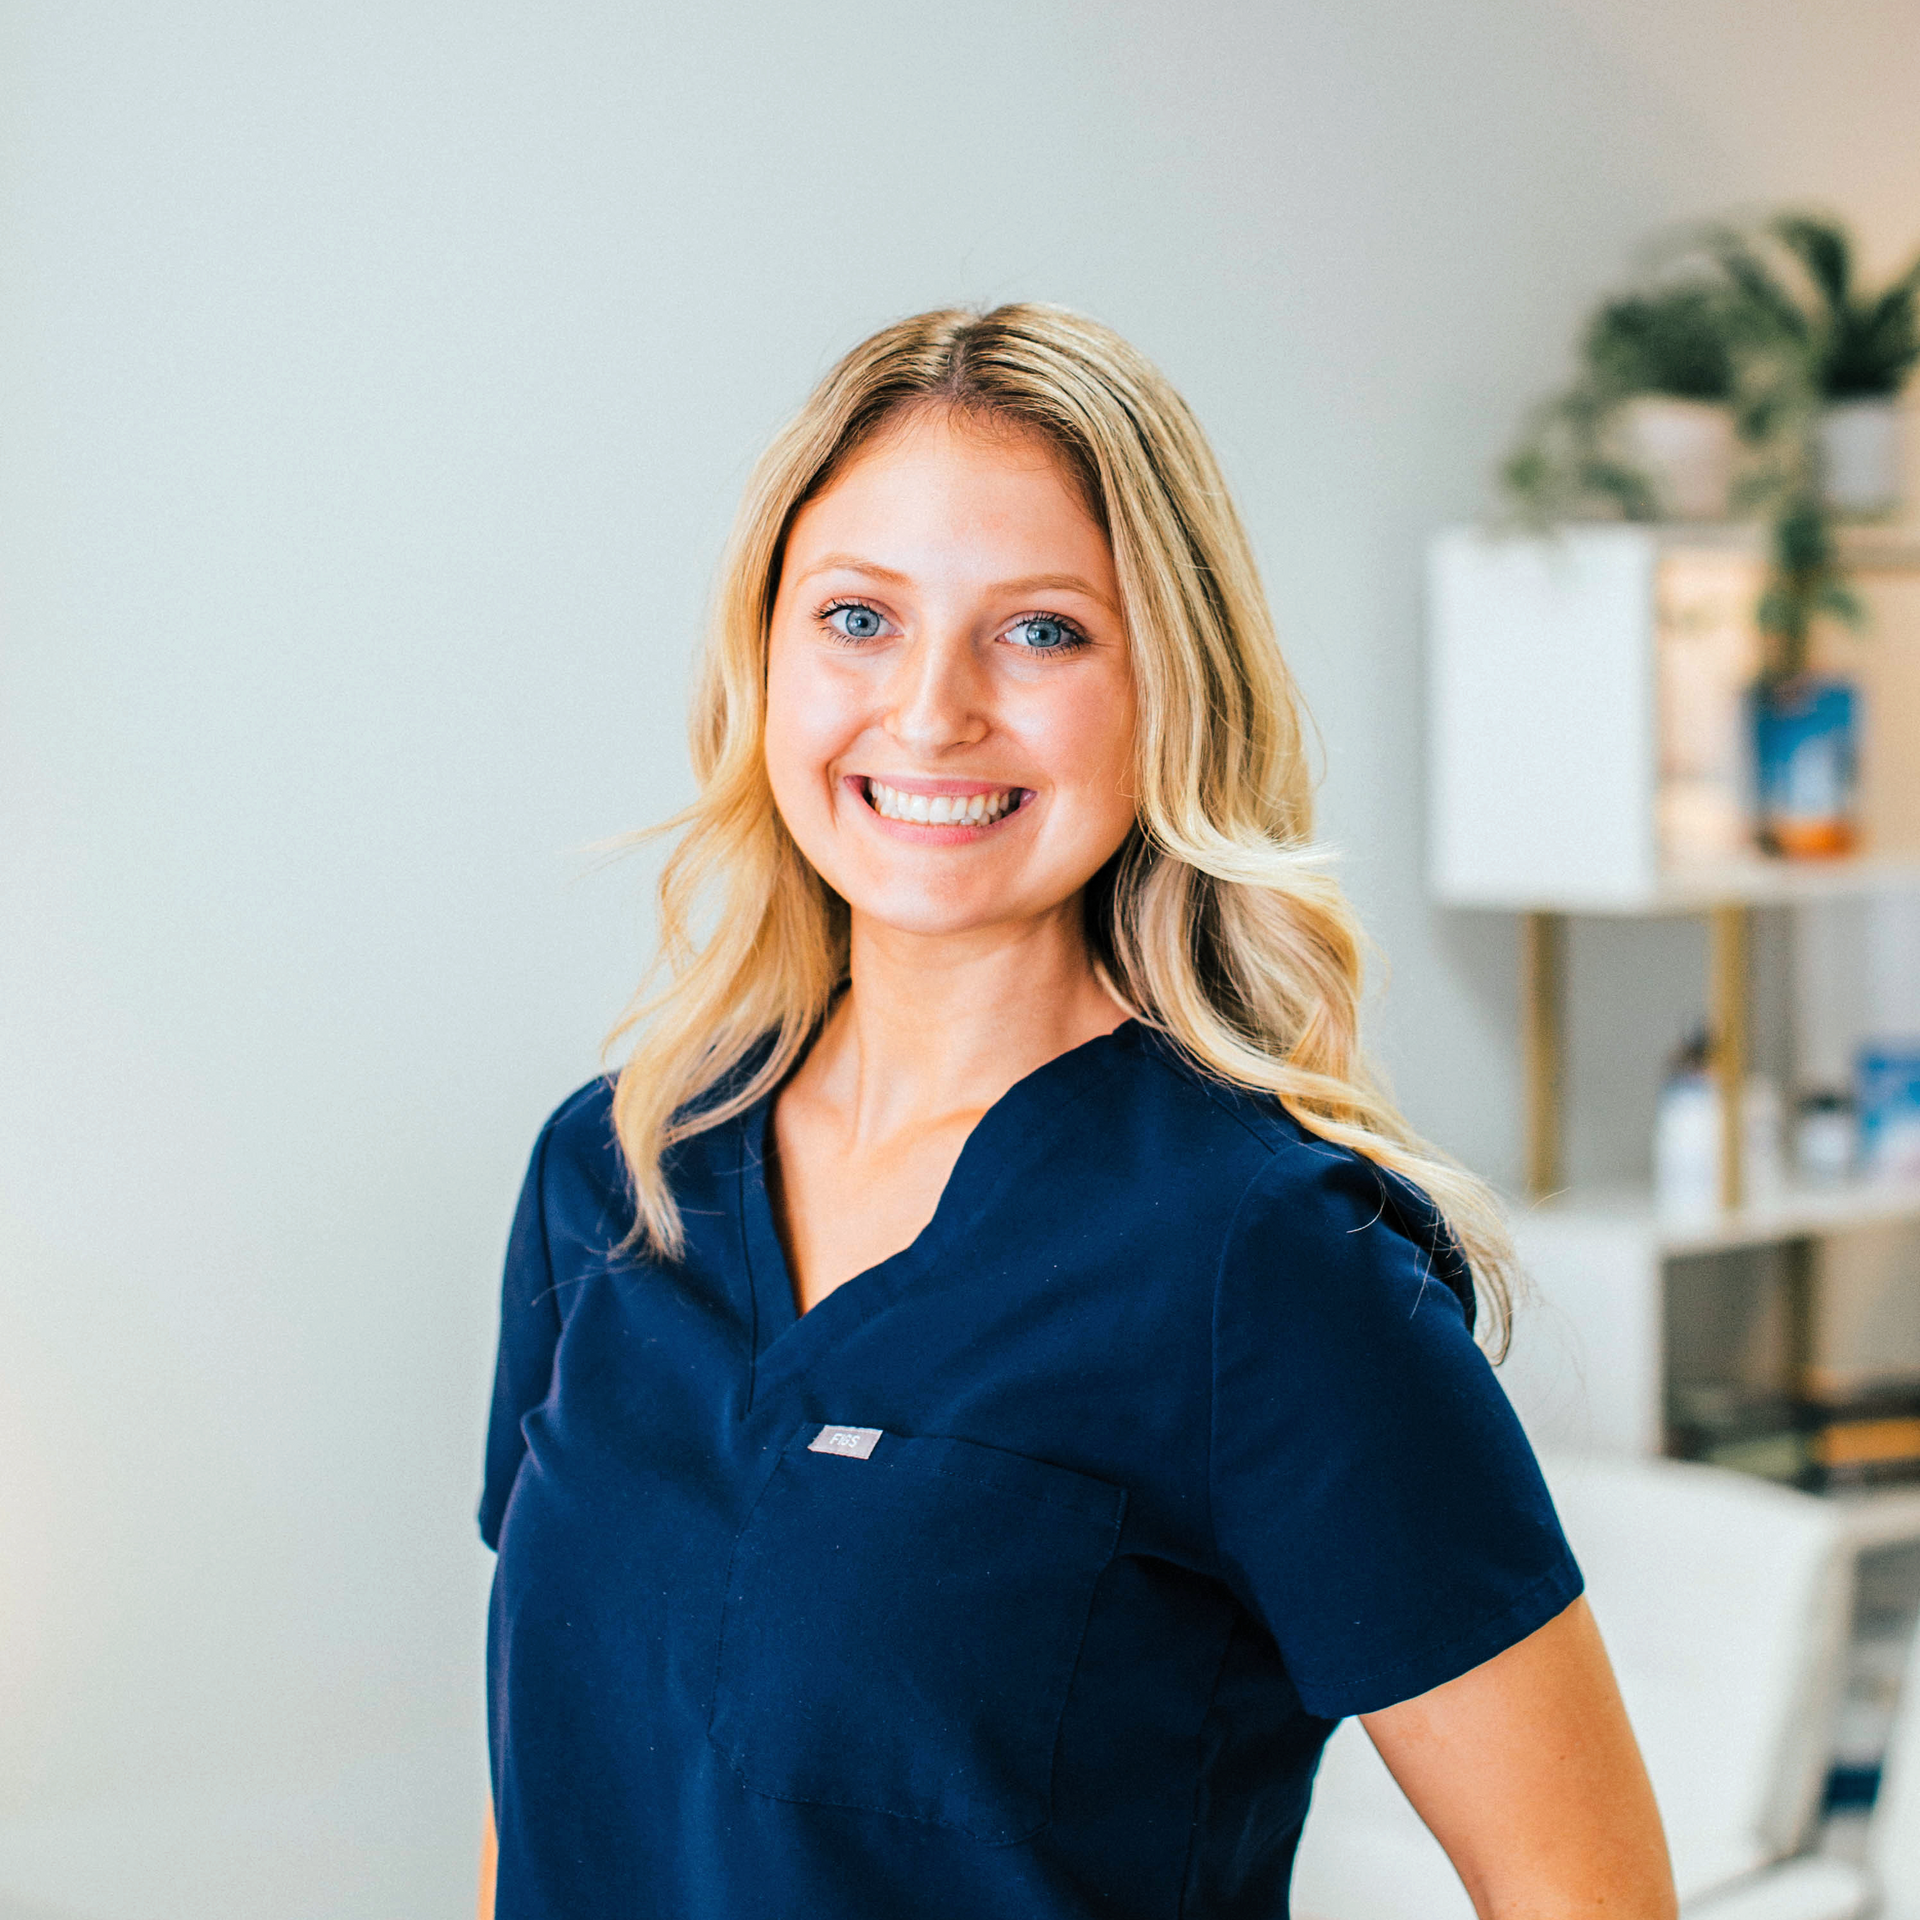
1893, 1850
1724, 1603
1811, 1888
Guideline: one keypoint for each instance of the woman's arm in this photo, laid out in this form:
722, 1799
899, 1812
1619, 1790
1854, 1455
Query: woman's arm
1527, 1772
489, 1864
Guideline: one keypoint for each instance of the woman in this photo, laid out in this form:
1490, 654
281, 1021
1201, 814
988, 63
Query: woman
993, 1382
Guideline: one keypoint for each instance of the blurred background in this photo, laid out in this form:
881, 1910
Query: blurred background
377, 382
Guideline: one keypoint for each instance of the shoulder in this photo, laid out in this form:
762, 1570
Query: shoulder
580, 1169
1335, 1248
1306, 1209
579, 1131
579, 1172
580, 1144
1203, 1103
1306, 1212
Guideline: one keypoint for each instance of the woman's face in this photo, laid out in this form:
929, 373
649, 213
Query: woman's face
950, 703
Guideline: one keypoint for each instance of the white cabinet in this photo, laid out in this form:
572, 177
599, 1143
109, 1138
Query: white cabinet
1585, 736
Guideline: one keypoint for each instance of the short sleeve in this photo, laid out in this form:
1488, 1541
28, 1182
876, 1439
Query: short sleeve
1375, 1502
529, 1334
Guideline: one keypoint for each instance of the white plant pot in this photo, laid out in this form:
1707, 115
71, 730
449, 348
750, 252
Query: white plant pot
1684, 448
1860, 456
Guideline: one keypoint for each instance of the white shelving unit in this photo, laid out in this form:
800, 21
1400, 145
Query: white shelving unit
1793, 1214
1554, 792
1591, 1372
1753, 883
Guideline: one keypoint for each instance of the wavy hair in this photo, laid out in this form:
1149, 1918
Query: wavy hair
1217, 923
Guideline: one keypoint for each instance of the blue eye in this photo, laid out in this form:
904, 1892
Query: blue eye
1042, 632
854, 620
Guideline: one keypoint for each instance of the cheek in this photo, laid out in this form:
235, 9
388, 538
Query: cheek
809, 717
1088, 741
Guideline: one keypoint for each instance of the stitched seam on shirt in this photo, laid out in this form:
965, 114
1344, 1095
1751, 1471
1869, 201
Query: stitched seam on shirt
547, 1296
537, 1176
879, 1303
1269, 1133
1213, 1355
1200, 1771
886, 1813
1019, 1493
746, 1263
726, 1613
546, 1293
735, 1762
1015, 1171
1214, 1093
1564, 1565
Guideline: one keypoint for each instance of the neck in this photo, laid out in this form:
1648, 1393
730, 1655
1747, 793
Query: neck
932, 1028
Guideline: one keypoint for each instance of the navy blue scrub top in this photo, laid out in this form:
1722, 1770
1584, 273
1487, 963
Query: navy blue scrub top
1024, 1576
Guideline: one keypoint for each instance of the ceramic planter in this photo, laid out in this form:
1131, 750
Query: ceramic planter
1685, 448
1860, 456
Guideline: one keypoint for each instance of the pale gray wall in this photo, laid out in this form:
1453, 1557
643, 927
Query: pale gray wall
377, 379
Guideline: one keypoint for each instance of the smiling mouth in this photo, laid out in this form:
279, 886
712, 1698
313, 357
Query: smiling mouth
943, 809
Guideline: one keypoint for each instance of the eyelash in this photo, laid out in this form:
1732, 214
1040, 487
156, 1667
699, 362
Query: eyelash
825, 615
1074, 641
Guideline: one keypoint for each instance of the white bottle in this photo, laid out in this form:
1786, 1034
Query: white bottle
1686, 1138
1823, 1139
1686, 1144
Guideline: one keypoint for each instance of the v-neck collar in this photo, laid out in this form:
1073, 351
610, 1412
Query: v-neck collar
1031, 1110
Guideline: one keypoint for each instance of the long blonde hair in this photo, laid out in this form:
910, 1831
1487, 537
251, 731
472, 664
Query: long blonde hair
1217, 923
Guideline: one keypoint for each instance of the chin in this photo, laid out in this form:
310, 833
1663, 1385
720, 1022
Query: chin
929, 915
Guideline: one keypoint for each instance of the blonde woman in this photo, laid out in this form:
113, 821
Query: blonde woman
993, 1381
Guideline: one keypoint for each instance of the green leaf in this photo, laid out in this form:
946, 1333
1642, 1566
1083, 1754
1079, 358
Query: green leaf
1821, 246
1842, 602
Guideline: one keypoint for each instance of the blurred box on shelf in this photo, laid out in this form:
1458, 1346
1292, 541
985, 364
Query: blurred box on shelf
1707, 650
1864, 1448
1824, 1445
1888, 1098
1806, 766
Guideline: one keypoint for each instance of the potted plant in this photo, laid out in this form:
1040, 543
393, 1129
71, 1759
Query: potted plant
1855, 349
1840, 358
1650, 428
1664, 364
1750, 374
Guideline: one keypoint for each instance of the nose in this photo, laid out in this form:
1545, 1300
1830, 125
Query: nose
938, 696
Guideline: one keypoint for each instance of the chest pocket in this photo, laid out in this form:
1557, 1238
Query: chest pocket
900, 1630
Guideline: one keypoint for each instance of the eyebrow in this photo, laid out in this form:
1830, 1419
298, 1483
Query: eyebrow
1027, 583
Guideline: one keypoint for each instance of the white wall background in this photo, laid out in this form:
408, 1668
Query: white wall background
377, 379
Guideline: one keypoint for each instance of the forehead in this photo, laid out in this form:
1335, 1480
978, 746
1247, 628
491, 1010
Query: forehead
939, 484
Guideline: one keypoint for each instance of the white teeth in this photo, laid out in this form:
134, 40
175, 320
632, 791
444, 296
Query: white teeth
934, 810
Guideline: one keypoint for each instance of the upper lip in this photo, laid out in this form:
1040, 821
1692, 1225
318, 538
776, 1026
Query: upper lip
963, 789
